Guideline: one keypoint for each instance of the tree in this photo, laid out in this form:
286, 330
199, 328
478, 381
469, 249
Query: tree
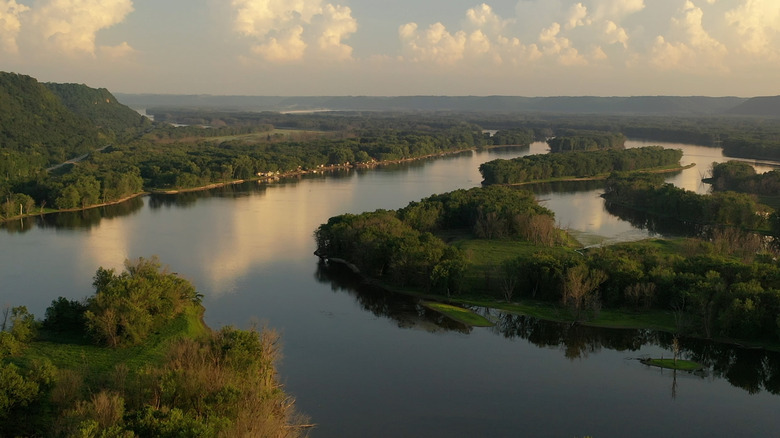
580, 289
23, 325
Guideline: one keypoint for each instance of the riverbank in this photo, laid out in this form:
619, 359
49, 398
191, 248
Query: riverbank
609, 318
262, 177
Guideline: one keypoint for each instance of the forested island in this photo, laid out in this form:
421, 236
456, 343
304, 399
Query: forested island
580, 164
496, 247
136, 359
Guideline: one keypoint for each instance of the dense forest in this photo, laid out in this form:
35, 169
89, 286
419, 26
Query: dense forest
577, 164
739, 176
135, 359
648, 192
586, 141
401, 246
495, 245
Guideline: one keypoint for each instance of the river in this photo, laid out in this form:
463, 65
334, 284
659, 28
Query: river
362, 363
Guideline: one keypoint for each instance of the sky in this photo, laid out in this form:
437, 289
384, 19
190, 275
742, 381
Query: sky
399, 47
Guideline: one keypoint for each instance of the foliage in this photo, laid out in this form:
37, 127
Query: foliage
576, 164
740, 176
65, 316
127, 307
399, 247
649, 193
586, 141
202, 385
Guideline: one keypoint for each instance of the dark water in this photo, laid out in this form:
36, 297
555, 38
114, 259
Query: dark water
364, 363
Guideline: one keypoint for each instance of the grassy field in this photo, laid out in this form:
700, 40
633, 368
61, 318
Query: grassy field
97, 362
484, 276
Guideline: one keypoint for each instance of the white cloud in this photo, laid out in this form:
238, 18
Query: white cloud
288, 30
434, 44
118, 52
10, 25
336, 25
758, 24
691, 47
598, 54
483, 18
615, 34
616, 10
70, 26
578, 16
560, 47
286, 46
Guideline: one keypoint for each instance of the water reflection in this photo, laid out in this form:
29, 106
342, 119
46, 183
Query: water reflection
404, 310
541, 189
76, 220
654, 224
188, 199
752, 370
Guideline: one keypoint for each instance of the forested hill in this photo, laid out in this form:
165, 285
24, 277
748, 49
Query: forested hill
647, 105
43, 124
35, 122
100, 107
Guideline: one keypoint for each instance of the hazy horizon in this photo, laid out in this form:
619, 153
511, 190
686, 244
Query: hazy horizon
524, 48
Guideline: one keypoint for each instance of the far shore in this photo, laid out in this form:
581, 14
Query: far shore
269, 177
261, 178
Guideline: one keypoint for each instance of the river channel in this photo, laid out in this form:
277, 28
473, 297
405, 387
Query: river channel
364, 363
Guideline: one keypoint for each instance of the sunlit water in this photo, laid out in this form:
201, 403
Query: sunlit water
363, 364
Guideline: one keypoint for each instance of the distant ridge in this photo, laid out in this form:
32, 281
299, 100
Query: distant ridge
768, 106
650, 105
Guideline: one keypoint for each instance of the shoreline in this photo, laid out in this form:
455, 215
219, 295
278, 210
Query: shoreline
259, 178
536, 310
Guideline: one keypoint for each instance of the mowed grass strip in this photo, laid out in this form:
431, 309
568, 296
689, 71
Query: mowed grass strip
459, 314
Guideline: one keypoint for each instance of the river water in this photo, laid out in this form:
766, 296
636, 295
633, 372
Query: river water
364, 363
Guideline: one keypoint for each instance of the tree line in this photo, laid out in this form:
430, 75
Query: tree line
143, 164
648, 192
739, 176
576, 164
711, 293
570, 141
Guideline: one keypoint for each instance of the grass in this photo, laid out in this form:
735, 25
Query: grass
483, 275
680, 364
97, 362
459, 314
